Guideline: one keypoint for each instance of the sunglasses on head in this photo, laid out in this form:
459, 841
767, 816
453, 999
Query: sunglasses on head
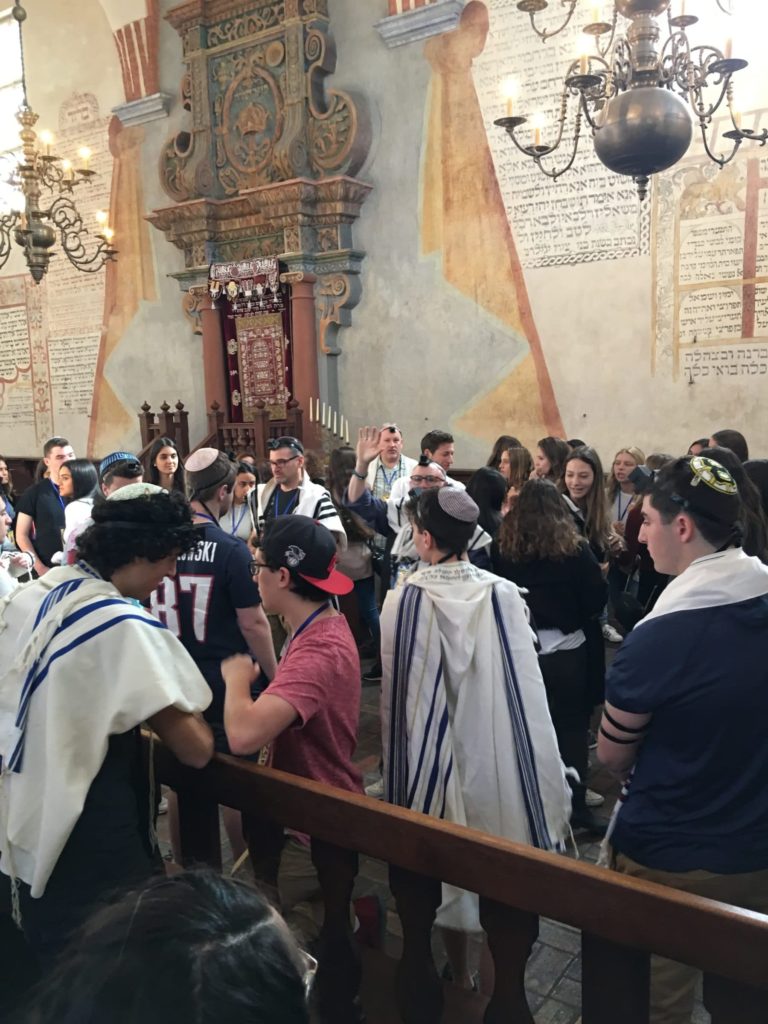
285, 442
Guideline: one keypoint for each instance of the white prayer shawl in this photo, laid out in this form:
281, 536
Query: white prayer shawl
405, 463
466, 730
314, 501
723, 578
79, 664
713, 581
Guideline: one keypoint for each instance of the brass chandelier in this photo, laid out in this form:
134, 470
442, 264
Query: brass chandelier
638, 96
35, 225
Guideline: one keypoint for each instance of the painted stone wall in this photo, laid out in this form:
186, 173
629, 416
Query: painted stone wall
489, 307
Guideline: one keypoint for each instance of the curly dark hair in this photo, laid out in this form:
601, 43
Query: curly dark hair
152, 526
539, 525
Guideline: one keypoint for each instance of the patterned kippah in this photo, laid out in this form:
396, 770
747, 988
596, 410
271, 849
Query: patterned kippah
457, 504
115, 457
135, 491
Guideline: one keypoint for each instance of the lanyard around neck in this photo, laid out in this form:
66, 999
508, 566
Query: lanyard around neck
310, 619
236, 525
57, 492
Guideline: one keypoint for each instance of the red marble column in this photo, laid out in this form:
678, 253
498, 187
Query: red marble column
306, 382
214, 369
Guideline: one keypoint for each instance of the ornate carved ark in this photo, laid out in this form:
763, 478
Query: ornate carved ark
265, 166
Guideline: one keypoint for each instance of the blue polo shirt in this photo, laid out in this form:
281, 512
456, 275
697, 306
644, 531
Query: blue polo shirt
698, 798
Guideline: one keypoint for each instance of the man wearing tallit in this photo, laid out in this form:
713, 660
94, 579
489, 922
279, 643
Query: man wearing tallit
83, 665
466, 731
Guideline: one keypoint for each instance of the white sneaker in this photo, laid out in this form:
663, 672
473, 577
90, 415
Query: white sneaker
593, 799
613, 636
375, 790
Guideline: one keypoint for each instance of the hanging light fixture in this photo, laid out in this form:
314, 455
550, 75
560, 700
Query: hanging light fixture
45, 185
638, 97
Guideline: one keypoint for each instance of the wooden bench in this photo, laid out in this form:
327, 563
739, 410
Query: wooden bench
622, 920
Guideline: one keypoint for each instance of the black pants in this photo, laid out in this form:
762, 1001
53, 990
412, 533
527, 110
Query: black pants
567, 684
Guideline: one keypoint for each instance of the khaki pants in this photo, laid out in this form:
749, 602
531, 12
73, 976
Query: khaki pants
301, 899
673, 984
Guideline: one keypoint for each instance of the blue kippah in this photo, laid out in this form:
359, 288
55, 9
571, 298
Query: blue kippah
110, 460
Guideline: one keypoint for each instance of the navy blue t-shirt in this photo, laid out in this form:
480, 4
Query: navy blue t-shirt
698, 799
199, 605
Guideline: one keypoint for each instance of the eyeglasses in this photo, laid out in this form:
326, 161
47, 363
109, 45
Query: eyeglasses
427, 480
256, 567
285, 442
281, 463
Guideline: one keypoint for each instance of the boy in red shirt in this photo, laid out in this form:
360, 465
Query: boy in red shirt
312, 706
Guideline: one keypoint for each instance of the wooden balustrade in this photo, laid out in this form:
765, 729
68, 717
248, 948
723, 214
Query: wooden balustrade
173, 423
251, 436
622, 919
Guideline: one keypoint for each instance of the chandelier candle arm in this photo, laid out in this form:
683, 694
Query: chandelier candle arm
34, 227
648, 95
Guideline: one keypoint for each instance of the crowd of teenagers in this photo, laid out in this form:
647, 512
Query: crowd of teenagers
226, 602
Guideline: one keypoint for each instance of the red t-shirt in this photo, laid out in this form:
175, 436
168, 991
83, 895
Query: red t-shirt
319, 676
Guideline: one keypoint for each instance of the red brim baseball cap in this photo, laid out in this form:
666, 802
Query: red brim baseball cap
335, 583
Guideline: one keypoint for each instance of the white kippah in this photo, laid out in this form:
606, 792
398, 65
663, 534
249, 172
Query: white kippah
201, 459
457, 504
135, 491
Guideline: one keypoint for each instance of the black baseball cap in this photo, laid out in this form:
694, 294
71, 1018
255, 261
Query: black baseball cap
306, 548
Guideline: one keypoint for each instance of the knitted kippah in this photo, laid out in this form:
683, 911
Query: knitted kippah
135, 491
115, 457
457, 504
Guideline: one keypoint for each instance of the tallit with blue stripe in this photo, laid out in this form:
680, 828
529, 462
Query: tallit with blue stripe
467, 734
78, 663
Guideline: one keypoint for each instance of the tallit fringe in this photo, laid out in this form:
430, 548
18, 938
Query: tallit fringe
8, 858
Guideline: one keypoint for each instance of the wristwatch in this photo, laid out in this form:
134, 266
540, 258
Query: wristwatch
360, 476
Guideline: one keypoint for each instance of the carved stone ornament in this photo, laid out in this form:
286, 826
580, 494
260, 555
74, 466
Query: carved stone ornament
194, 301
337, 296
265, 164
258, 110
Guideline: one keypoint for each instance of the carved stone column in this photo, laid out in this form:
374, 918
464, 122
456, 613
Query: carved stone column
304, 342
213, 359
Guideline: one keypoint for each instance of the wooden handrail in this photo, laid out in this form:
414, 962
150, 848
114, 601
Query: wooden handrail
723, 940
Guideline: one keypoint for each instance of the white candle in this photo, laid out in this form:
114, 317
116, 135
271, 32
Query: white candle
346, 438
322, 421
334, 421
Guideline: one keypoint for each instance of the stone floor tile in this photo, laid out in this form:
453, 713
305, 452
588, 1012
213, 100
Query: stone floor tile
552, 1011
561, 936
545, 968
568, 991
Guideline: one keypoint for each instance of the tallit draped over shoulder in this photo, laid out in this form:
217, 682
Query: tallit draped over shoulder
466, 730
78, 664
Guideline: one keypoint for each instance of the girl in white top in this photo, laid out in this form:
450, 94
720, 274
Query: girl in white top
238, 520
78, 486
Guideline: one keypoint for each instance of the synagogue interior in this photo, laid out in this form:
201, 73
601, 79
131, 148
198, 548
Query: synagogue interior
383, 511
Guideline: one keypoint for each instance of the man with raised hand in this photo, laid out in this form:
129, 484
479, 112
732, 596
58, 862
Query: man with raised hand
40, 519
390, 465
686, 698
390, 518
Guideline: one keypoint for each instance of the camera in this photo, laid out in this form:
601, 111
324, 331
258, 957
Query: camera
642, 479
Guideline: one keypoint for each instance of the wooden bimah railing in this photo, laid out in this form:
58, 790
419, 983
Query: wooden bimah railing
622, 920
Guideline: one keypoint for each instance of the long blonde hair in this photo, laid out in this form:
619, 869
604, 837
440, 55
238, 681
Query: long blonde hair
612, 484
